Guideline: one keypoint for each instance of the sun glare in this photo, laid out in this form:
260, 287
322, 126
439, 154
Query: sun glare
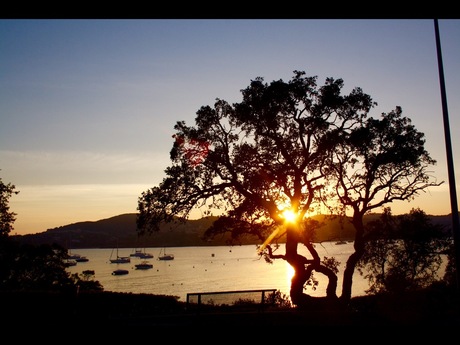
289, 216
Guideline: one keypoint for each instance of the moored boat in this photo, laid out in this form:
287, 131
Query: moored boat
119, 259
81, 258
120, 272
144, 265
70, 262
141, 254
165, 256
77, 257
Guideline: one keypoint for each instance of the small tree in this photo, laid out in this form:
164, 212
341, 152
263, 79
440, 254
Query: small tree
450, 274
403, 253
34, 268
29, 267
7, 218
85, 281
381, 161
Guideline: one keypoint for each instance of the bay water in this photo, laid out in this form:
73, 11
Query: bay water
207, 269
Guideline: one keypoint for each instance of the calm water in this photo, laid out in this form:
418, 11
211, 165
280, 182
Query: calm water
205, 269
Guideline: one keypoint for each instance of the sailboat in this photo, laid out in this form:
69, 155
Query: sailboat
119, 259
165, 256
138, 253
75, 257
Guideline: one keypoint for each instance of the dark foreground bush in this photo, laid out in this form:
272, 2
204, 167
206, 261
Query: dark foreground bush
86, 306
435, 308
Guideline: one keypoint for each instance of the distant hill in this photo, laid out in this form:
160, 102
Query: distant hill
121, 230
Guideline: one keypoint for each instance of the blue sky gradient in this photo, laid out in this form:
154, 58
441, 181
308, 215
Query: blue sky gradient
87, 107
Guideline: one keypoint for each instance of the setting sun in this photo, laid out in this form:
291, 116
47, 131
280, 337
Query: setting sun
289, 215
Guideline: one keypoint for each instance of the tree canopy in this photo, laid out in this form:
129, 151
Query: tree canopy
403, 253
7, 217
289, 146
31, 267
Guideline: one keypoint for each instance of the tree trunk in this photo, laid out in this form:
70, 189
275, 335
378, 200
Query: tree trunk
353, 259
303, 269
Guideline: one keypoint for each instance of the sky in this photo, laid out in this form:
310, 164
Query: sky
88, 106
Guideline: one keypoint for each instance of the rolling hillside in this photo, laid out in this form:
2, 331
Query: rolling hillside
121, 230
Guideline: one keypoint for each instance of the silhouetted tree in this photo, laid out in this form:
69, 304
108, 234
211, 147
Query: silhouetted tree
7, 218
403, 253
29, 267
381, 161
85, 281
256, 159
34, 268
450, 273
281, 148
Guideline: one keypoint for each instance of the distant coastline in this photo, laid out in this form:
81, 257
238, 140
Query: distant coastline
121, 230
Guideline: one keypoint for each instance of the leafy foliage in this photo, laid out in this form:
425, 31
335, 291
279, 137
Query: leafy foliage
403, 253
85, 281
7, 218
25, 267
289, 145
262, 155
